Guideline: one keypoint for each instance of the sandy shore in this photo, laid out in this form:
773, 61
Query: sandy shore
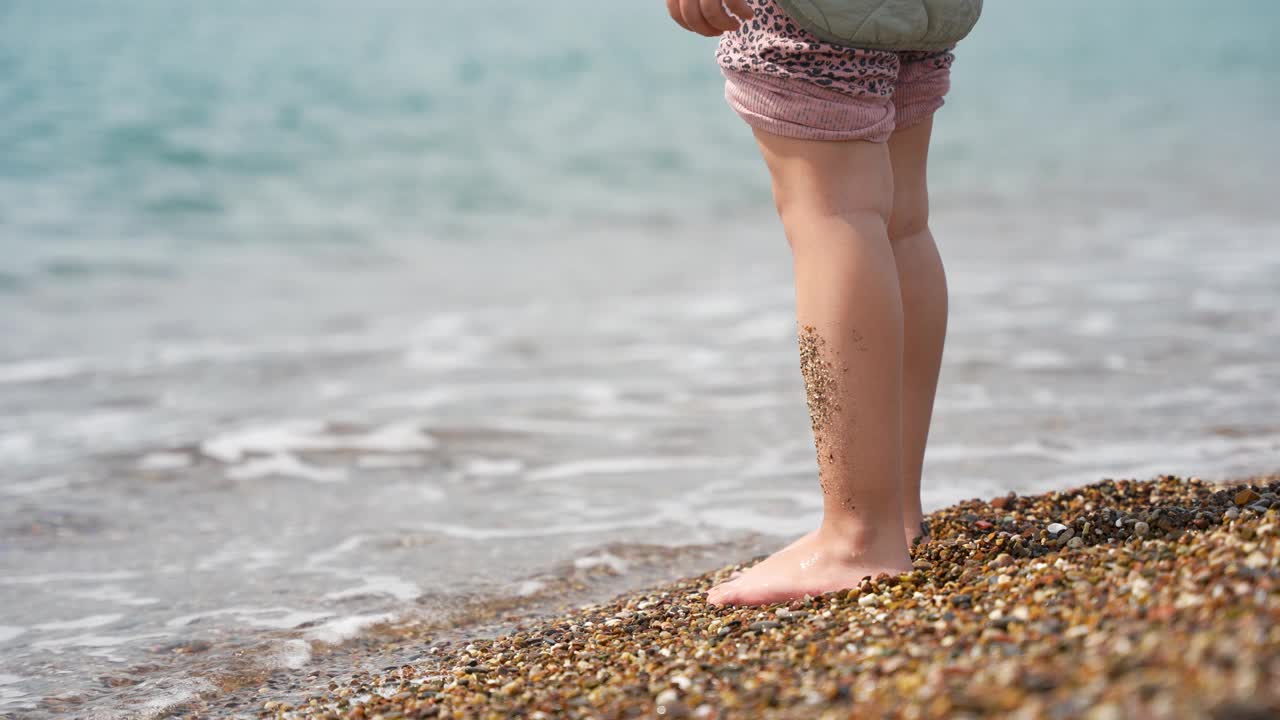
1122, 599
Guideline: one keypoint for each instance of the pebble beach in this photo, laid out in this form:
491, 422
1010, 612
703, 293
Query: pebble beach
1120, 599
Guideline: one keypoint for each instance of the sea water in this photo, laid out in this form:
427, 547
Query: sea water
319, 315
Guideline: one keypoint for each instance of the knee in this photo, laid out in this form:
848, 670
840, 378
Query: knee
910, 215
799, 200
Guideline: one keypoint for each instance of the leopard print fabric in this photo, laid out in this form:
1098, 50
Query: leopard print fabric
772, 44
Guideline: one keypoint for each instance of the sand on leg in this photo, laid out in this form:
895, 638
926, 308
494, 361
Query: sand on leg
835, 201
924, 306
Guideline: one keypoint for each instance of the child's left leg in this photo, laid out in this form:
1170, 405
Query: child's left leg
835, 199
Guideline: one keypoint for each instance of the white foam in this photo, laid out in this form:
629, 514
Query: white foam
293, 654
539, 426
315, 436
624, 465
10, 697
283, 464
484, 467
426, 400
1246, 374
114, 594
1040, 359
67, 577
730, 517
164, 461
84, 623
379, 585
14, 446
342, 548
162, 696
491, 533
92, 641
284, 618
529, 587
9, 632
41, 370
972, 451
37, 486
339, 629
609, 560
235, 553
1186, 395
1096, 324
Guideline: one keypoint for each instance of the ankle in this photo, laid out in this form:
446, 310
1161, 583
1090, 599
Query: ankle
861, 537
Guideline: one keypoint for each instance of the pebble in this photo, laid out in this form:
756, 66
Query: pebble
1247, 496
1001, 623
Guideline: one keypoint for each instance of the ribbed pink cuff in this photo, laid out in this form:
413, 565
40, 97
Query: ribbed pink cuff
919, 92
797, 108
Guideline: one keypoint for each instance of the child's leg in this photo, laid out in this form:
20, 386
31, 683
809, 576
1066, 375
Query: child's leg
924, 306
835, 201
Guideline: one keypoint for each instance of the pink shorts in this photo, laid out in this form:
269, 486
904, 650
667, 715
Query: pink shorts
782, 79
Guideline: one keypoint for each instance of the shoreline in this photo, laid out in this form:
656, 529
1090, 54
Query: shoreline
1122, 598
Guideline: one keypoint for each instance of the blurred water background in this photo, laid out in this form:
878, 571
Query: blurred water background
316, 315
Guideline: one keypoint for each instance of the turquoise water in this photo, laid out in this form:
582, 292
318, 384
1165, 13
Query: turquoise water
317, 314
234, 123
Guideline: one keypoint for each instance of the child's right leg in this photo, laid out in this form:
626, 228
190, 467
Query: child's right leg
834, 198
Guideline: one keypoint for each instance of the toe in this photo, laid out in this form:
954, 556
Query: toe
718, 595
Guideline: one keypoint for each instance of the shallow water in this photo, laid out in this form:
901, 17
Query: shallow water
291, 349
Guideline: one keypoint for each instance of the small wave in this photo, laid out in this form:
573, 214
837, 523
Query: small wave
379, 585
316, 436
1040, 359
33, 371
604, 559
625, 465
37, 486
12, 696
283, 464
465, 532
164, 461
160, 698
339, 629
114, 594
68, 577
84, 623
92, 641
274, 618
293, 654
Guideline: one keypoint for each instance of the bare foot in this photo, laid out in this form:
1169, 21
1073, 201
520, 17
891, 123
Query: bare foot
811, 565
918, 534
